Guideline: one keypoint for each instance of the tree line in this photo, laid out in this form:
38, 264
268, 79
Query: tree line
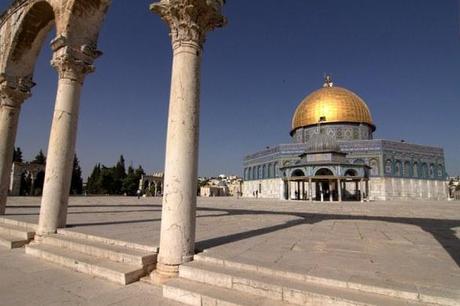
114, 180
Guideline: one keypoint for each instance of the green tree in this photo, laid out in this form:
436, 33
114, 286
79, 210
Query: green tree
17, 155
76, 186
40, 158
140, 171
131, 182
38, 183
119, 174
106, 181
92, 186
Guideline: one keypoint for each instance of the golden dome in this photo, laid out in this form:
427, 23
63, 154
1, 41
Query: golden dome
331, 104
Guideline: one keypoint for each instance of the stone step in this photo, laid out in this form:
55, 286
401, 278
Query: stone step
102, 250
120, 273
29, 226
395, 290
17, 231
280, 288
198, 294
120, 243
12, 242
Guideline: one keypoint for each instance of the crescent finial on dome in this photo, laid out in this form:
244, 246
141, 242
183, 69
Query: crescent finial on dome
328, 81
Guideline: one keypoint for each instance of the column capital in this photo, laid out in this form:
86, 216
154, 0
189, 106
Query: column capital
190, 20
73, 63
15, 90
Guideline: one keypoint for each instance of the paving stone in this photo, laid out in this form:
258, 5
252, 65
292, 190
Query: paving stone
403, 242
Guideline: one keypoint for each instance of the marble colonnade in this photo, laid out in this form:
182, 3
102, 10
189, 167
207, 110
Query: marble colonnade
189, 22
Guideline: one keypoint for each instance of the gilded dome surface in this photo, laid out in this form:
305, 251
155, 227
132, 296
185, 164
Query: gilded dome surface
331, 104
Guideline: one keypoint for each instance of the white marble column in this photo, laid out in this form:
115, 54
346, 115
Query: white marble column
189, 22
72, 65
331, 198
339, 190
12, 95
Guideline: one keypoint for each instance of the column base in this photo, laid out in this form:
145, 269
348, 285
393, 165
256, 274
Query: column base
163, 273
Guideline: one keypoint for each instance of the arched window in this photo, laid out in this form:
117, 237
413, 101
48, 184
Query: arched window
432, 170
324, 172
269, 169
298, 172
374, 167
424, 170
415, 170
406, 169
388, 167
440, 170
398, 170
350, 172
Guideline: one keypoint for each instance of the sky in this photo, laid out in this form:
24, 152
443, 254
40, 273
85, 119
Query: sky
401, 57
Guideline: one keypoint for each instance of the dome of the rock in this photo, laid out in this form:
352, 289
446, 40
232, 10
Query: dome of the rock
331, 104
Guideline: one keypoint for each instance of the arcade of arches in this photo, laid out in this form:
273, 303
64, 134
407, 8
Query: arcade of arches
23, 29
325, 186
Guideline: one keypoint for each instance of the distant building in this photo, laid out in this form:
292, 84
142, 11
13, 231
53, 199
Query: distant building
454, 188
152, 185
334, 156
222, 186
214, 191
26, 179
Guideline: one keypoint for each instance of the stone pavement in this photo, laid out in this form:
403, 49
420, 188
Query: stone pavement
25, 280
409, 246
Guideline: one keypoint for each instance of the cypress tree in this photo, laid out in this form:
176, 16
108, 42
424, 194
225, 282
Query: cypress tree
76, 186
40, 158
17, 155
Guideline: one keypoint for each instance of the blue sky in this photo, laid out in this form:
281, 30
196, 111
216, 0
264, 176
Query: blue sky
401, 57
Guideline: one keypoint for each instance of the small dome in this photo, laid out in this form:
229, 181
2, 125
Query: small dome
331, 104
322, 143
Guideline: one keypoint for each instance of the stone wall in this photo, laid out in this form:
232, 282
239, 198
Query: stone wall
269, 188
407, 189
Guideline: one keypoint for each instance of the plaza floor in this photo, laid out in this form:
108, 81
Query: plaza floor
408, 246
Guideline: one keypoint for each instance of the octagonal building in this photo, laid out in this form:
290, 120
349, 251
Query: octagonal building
334, 157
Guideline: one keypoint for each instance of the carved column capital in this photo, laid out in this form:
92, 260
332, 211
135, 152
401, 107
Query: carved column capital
73, 63
15, 90
190, 20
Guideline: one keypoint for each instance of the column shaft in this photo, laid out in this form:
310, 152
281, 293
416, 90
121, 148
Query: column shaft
189, 22
72, 65
61, 150
180, 182
331, 198
9, 117
13, 92
339, 190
